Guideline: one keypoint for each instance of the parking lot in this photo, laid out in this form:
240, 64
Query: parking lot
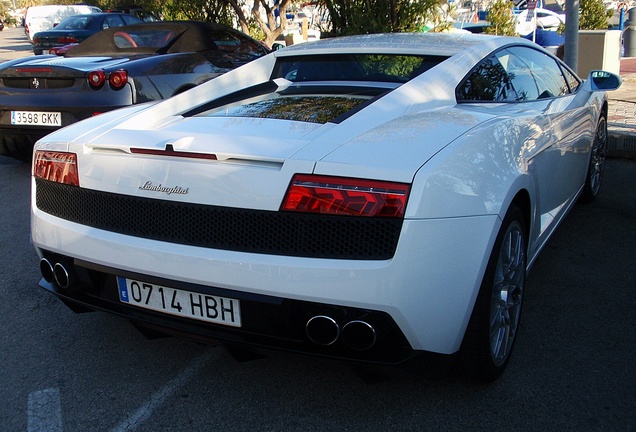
572, 369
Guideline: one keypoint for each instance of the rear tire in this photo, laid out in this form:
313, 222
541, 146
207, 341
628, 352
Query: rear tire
17, 146
595, 169
494, 323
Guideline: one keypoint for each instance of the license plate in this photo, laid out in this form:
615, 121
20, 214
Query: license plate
188, 304
36, 118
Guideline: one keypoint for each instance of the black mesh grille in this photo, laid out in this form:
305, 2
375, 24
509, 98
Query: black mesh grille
268, 232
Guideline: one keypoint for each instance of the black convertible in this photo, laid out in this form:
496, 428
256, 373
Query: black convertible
114, 68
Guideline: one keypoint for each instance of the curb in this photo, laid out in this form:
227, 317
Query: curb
621, 144
621, 124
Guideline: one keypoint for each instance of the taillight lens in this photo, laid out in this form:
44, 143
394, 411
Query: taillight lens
345, 196
67, 39
60, 167
118, 79
96, 79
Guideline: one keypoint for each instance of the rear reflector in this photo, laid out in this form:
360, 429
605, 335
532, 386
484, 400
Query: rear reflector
60, 167
67, 39
345, 196
172, 153
34, 70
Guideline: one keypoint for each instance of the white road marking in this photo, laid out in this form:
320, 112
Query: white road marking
145, 411
44, 411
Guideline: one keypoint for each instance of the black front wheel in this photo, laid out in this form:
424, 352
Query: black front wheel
494, 323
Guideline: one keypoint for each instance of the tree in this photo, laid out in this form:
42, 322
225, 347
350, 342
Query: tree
593, 15
502, 19
262, 18
197, 10
379, 16
272, 26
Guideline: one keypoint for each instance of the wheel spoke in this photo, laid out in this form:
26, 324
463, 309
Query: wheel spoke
597, 162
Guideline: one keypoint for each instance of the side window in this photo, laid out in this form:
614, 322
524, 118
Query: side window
129, 19
521, 77
488, 82
545, 70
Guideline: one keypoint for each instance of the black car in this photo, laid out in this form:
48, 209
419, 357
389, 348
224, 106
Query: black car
115, 68
77, 28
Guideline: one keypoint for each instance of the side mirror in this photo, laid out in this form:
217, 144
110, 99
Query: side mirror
602, 80
277, 46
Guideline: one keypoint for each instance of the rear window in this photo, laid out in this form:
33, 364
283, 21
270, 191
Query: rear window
74, 23
152, 38
354, 67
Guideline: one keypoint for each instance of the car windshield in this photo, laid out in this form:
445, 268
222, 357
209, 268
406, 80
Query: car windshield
354, 67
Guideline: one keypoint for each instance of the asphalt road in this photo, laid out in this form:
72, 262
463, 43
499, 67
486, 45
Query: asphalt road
572, 370
14, 44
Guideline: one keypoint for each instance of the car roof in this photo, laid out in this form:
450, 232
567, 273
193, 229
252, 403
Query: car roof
93, 15
444, 44
190, 36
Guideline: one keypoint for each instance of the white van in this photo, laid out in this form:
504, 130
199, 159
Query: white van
40, 18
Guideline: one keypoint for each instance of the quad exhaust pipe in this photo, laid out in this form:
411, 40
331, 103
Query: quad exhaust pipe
357, 335
46, 268
61, 273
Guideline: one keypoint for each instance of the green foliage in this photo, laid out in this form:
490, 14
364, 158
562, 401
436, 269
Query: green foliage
380, 16
255, 30
199, 10
502, 19
593, 15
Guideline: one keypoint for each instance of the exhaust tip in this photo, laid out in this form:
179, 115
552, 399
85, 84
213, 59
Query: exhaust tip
63, 277
359, 335
46, 268
322, 330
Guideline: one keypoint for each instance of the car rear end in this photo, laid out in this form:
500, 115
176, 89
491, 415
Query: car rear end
45, 42
42, 97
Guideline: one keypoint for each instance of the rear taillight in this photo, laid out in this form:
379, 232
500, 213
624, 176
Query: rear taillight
60, 167
345, 196
66, 39
36, 40
118, 79
96, 79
